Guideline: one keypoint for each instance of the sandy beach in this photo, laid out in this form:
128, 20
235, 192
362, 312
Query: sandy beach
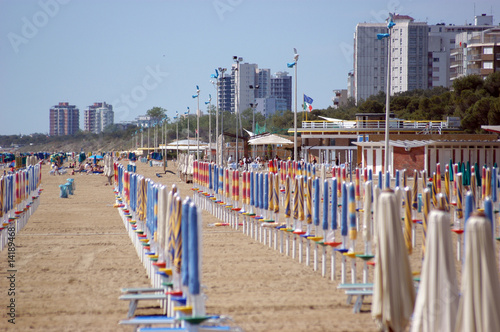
74, 255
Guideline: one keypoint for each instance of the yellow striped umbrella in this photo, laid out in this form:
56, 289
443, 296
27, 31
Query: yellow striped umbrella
175, 238
415, 190
408, 220
141, 205
434, 189
309, 200
295, 199
424, 180
301, 198
473, 187
447, 188
287, 197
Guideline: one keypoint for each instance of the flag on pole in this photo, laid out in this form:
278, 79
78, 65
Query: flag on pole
308, 103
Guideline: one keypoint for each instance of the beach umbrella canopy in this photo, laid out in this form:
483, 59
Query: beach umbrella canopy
437, 299
95, 157
479, 306
393, 290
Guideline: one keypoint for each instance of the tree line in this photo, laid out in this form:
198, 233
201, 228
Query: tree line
474, 100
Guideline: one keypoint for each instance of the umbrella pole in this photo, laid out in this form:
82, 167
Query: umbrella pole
343, 277
333, 263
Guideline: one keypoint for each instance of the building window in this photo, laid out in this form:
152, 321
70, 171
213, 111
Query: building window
488, 65
488, 50
435, 69
435, 59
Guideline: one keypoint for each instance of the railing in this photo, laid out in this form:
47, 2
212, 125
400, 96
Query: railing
328, 124
375, 124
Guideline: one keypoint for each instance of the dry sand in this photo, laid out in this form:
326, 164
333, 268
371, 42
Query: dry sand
74, 255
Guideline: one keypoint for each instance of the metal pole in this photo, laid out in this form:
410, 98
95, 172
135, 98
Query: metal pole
188, 132
210, 128
387, 95
217, 123
236, 103
295, 118
198, 126
222, 71
177, 136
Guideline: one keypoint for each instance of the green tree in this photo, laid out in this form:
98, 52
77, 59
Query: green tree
157, 114
469, 82
372, 106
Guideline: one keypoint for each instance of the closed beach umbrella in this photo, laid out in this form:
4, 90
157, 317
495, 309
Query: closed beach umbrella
393, 290
437, 299
479, 306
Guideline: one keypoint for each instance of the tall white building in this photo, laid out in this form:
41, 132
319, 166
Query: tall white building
97, 117
254, 84
422, 56
241, 92
445, 44
409, 57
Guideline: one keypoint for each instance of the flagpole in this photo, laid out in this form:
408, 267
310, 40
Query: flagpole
210, 126
237, 100
295, 156
188, 130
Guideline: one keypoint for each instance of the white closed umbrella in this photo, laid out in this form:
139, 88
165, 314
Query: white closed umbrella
393, 291
437, 299
479, 306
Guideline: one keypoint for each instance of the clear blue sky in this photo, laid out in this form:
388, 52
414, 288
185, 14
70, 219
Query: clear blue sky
140, 54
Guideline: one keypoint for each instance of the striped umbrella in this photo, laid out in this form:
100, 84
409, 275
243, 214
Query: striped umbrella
393, 290
408, 220
438, 178
287, 198
316, 202
301, 198
252, 189
353, 232
185, 241
194, 260
334, 206
276, 192
175, 238
326, 196
447, 189
415, 190
426, 198
460, 192
308, 200
270, 191
295, 199
367, 215
344, 212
